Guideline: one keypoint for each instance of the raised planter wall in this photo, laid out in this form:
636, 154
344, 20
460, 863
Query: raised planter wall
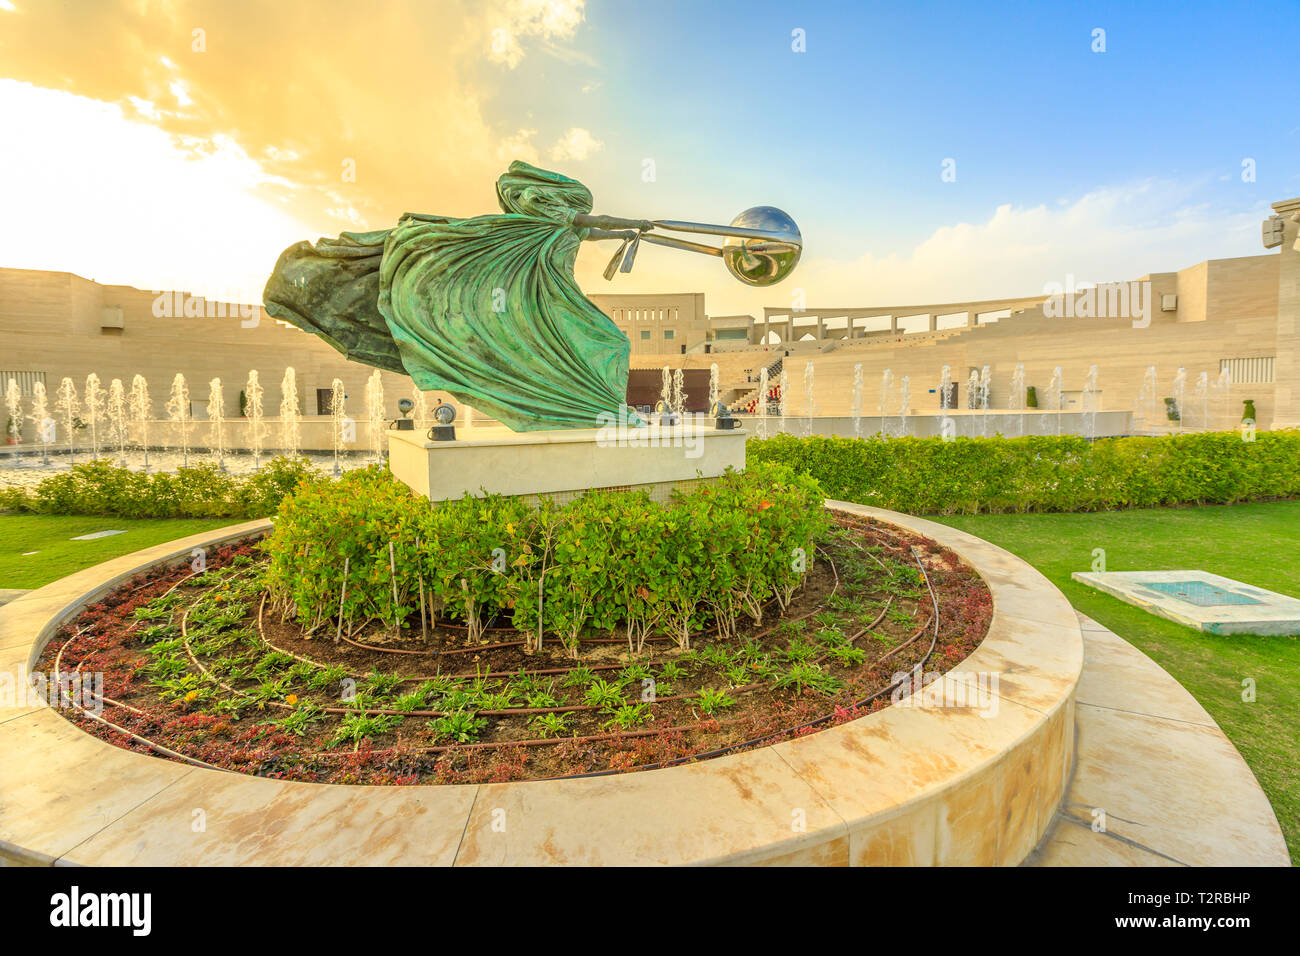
907, 785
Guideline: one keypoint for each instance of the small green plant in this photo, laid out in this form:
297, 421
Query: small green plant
541, 698
382, 685
807, 675
551, 725
848, 656
354, 728
326, 677
461, 727
711, 701
603, 694
627, 716
300, 718
580, 676
800, 650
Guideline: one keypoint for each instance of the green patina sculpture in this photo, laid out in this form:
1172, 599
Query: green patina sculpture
487, 308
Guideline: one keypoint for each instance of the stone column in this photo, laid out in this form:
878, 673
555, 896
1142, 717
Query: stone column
1286, 391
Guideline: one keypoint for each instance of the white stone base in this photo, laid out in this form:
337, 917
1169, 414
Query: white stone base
563, 463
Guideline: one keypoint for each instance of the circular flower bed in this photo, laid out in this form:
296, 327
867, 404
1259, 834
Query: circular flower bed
374, 639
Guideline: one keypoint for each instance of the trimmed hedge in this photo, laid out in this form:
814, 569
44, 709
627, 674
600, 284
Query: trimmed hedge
1047, 473
602, 560
203, 491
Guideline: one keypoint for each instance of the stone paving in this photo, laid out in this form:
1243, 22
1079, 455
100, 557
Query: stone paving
1173, 789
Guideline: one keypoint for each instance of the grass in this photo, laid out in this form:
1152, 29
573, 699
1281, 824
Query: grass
1254, 543
56, 555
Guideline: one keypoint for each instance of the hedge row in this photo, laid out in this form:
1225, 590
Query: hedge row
600, 561
203, 491
1065, 473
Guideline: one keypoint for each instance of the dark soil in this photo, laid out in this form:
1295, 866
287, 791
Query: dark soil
863, 617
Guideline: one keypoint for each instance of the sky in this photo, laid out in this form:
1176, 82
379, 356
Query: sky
929, 152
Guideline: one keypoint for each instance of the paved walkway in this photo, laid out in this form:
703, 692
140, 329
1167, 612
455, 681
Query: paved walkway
11, 594
1172, 787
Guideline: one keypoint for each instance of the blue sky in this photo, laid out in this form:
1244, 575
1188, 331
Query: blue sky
1068, 162
852, 132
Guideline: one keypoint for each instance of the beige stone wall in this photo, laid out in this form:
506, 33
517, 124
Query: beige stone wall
1226, 309
1287, 412
658, 324
51, 322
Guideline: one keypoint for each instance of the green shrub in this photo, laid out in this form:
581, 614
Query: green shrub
199, 491
1043, 473
603, 560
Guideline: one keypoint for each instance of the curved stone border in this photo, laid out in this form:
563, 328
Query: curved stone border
905, 785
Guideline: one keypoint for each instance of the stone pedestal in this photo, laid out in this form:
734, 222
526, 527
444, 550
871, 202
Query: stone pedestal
564, 463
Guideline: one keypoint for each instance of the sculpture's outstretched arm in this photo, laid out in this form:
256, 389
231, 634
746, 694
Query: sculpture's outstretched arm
585, 221
624, 234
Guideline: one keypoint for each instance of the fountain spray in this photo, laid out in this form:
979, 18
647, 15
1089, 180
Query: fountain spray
178, 410
375, 414
141, 409
339, 415
94, 396
808, 394
117, 423
217, 421
256, 422
40, 417
856, 407
68, 407
14, 407
290, 430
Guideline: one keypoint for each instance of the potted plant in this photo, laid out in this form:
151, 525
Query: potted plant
13, 432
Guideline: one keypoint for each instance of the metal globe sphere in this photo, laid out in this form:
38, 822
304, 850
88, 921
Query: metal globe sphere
763, 262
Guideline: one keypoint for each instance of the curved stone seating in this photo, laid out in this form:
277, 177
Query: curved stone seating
905, 785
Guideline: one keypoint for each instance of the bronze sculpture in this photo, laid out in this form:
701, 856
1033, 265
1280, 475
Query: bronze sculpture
487, 308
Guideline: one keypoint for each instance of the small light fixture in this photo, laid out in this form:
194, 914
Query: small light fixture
722, 419
404, 424
666, 415
444, 415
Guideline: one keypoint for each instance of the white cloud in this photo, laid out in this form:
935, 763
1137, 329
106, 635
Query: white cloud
144, 208
577, 143
518, 145
548, 19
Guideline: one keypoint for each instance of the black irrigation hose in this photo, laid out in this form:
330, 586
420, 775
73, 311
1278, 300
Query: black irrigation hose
732, 748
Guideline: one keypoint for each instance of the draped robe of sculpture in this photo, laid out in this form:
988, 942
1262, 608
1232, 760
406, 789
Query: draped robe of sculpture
486, 308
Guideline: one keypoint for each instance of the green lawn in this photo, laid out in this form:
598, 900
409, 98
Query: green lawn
1255, 543
56, 555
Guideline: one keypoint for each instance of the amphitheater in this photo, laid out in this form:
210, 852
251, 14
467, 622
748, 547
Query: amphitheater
1161, 351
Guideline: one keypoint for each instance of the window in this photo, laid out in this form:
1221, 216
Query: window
324, 398
668, 333
25, 381
1249, 371
645, 335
